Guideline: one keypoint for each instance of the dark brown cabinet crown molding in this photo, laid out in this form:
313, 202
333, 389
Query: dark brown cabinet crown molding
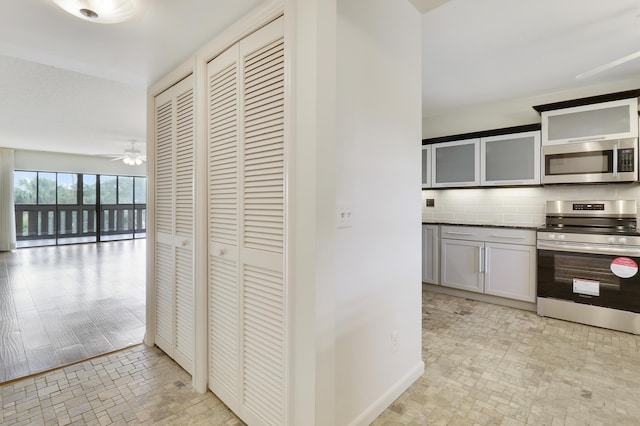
589, 100
483, 134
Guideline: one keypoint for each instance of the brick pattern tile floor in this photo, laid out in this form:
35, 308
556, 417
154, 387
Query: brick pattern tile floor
492, 365
485, 365
138, 386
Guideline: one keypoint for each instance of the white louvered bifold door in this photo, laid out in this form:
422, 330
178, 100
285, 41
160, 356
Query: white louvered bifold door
224, 293
262, 201
164, 207
246, 212
174, 269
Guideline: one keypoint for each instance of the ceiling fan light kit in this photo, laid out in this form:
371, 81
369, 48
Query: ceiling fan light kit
132, 161
100, 11
132, 156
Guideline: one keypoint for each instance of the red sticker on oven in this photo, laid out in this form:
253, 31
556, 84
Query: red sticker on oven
624, 267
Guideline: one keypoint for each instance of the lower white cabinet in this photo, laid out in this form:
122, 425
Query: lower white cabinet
430, 254
462, 264
496, 261
510, 271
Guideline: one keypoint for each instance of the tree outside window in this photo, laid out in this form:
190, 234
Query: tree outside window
141, 190
125, 190
108, 189
89, 189
25, 187
67, 188
46, 188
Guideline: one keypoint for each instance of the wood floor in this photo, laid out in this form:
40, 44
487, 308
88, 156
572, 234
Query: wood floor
60, 305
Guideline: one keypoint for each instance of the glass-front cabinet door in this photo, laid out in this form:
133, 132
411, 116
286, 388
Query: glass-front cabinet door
512, 159
602, 121
426, 166
456, 164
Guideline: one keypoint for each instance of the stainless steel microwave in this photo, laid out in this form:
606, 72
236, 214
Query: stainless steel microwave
591, 162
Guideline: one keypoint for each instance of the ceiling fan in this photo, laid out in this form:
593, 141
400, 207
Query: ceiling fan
132, 156
609, 65
614, 63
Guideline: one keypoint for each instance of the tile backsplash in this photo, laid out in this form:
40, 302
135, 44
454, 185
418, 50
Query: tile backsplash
523, 206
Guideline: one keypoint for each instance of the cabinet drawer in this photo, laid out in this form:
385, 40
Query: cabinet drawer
496, 235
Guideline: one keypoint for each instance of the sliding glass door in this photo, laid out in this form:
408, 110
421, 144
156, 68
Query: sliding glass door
69, 208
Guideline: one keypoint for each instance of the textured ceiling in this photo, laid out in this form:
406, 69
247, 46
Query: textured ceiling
68, 85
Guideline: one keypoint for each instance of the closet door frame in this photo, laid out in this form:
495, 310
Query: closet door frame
183, 71
176, 238
197, 65
231, 394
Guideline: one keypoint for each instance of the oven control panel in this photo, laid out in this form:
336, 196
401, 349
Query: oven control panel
588, 206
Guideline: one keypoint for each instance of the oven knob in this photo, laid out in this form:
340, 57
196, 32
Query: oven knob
622, 240
611, 240
552, 236
561, 237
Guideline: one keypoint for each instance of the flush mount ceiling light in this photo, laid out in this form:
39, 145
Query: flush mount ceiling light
100, 11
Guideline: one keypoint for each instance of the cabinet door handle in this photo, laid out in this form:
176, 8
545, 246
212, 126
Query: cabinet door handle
480, 260
459, 233
486, 260
597, 138
511, 237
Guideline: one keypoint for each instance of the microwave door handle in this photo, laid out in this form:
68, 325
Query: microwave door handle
589, 139
615, 160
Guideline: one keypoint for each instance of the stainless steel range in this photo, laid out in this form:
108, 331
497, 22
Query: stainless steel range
588, 257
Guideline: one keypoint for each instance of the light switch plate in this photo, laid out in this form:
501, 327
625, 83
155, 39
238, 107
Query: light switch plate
344, 216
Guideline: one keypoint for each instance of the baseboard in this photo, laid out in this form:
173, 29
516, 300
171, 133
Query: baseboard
374, 410
480, 297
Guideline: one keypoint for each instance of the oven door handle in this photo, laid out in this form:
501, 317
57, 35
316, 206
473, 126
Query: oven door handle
589, 248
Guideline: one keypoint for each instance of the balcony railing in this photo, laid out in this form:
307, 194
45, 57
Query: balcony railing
80, 222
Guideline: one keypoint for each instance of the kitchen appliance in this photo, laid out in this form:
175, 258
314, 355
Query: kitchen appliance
595, 161
588, 257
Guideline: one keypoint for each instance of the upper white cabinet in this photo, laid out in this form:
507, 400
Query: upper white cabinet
500, 160
510, 159
602, 121
455, 164
426, 166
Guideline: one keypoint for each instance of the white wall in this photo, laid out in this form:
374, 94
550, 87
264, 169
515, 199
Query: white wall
72, 163
311, 45
378, 281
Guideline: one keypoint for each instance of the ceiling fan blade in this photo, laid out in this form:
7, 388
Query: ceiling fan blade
609, 65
